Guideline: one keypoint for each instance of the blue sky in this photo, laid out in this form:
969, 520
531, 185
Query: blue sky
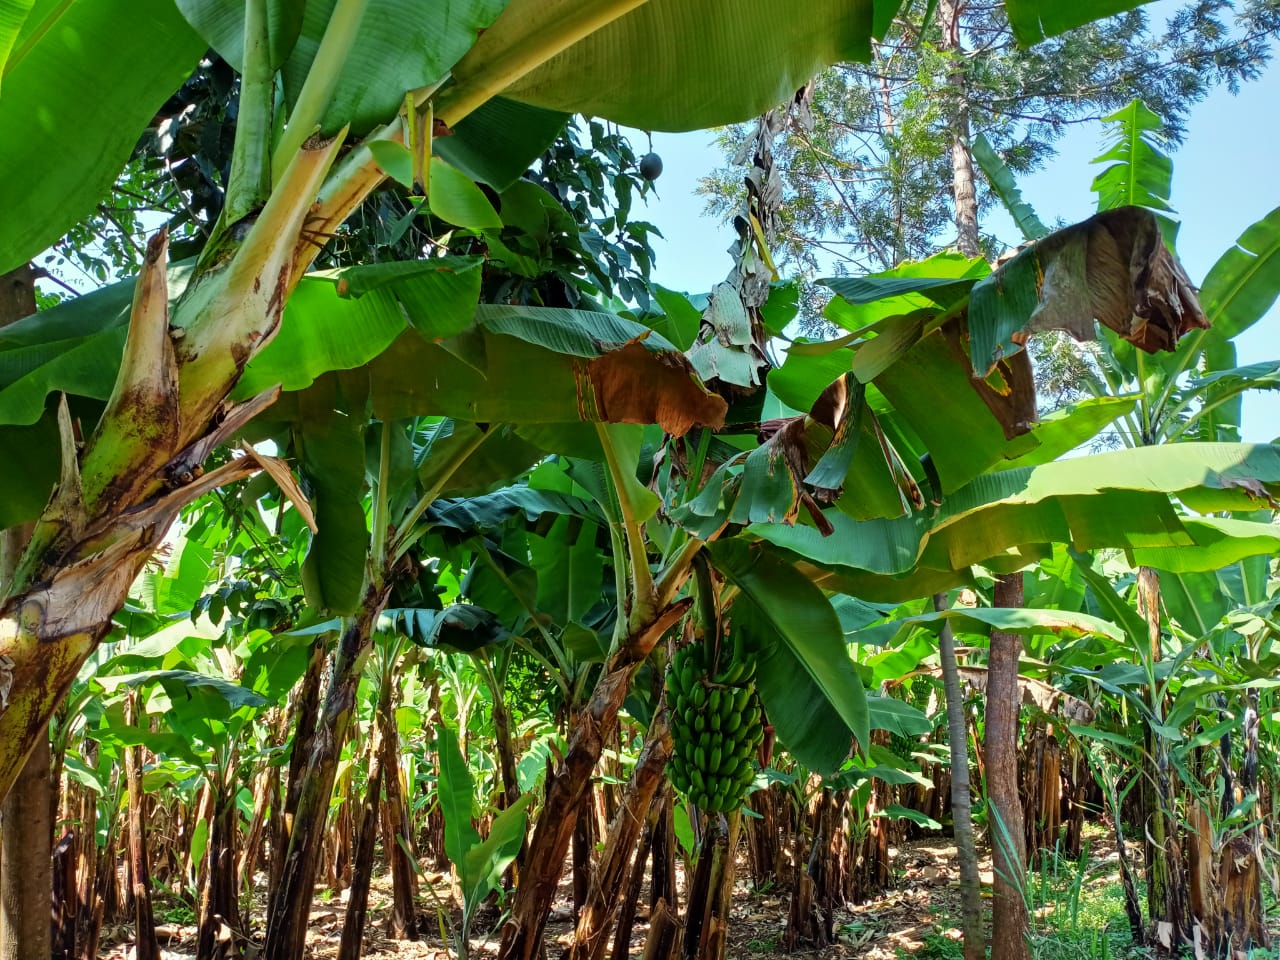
1226, 176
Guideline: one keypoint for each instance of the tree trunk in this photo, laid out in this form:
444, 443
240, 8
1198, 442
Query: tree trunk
949, 12
522, 934
220, 928
1010, 921
706, 932
961, 812
144, 925
662, 877
604, 899
89, 904
1168, 897
362, 869
305, 711
26, 879
291, 907
397, 842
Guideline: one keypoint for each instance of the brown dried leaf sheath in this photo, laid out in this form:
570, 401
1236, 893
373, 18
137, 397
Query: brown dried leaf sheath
636, 385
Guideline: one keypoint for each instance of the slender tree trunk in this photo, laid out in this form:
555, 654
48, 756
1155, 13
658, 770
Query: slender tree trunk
305, 712
362, 869
287, 930
89, 907
144, 925
1168, 896
662, 876
949, 14
1010, 920
397, 842
65, 912
706, 933
220, 927
604, 899
961, 812
631, 896
522, 934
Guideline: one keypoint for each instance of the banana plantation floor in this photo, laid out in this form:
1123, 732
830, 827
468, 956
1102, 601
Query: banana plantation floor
1076, 911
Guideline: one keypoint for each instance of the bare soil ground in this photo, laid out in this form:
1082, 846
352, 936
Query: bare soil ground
921, 904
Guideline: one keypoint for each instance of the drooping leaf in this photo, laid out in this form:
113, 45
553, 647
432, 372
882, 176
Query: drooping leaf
1034, 20
1245, 281
1006, 188
187, 685
807, 630
492, 510
1218, 542
982, 620
1113, 268
455, 199
670, 64
498, 142
1115, 499
438, 295
461, 627
330, 443
61, 154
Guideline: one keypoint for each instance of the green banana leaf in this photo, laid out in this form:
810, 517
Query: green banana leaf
83, 78
982, 620
1115, 499
802, 649
1005, 187
13, 14
1034, 20
674, 64
1139, 173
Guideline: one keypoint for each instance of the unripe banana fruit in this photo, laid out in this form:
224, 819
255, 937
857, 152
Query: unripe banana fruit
715, 726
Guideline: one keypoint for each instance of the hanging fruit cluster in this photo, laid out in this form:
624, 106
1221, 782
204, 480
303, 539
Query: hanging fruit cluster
715, 727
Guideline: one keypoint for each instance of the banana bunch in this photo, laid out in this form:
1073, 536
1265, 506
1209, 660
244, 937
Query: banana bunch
715, 727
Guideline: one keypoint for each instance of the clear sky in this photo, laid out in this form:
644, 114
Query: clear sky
1226, 176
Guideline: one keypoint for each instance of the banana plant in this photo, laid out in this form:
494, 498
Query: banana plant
495, 74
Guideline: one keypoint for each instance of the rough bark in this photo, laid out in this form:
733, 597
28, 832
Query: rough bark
605, 898
291, 907
962, 182
397, 842
89, 904
975, 947
63, 937
305, 712
1010, 921
221, 931
664, 933
706, 932
522, 934
631, 897
1168, 897
26, 880
362, 868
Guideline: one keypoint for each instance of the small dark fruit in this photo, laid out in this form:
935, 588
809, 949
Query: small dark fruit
651, 166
